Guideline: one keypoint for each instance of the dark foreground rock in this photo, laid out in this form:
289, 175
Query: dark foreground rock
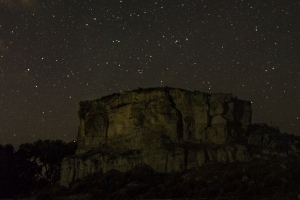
258, 179
272, 172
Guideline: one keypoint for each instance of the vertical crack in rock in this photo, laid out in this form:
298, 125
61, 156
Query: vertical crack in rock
166, 163
238, 110
188, 123
206, 156
179, 125
107, 125
209, 118
186, 157
73, 174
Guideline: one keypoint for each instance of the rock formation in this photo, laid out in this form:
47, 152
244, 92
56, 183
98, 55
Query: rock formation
168, 129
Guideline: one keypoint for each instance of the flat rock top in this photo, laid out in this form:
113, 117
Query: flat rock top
148, 94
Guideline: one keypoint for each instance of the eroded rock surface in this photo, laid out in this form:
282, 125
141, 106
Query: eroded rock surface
168, 129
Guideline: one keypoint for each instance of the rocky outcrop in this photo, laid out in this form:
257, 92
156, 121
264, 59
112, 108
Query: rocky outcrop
168, 129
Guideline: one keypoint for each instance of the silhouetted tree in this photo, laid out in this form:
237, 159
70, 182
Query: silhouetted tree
46, 157
8, 177
33, 166
9, 149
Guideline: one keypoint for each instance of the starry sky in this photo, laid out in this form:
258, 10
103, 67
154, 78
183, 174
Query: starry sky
56, 53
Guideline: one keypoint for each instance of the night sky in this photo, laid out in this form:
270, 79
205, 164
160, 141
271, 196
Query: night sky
56, 53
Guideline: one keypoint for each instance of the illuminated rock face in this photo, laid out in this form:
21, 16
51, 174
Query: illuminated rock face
166, 128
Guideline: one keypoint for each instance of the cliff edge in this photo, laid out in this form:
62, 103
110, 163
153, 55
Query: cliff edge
166, 128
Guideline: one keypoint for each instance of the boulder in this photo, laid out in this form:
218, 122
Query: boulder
166, 128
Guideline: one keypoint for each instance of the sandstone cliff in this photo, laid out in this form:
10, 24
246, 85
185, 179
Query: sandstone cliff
168, 129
